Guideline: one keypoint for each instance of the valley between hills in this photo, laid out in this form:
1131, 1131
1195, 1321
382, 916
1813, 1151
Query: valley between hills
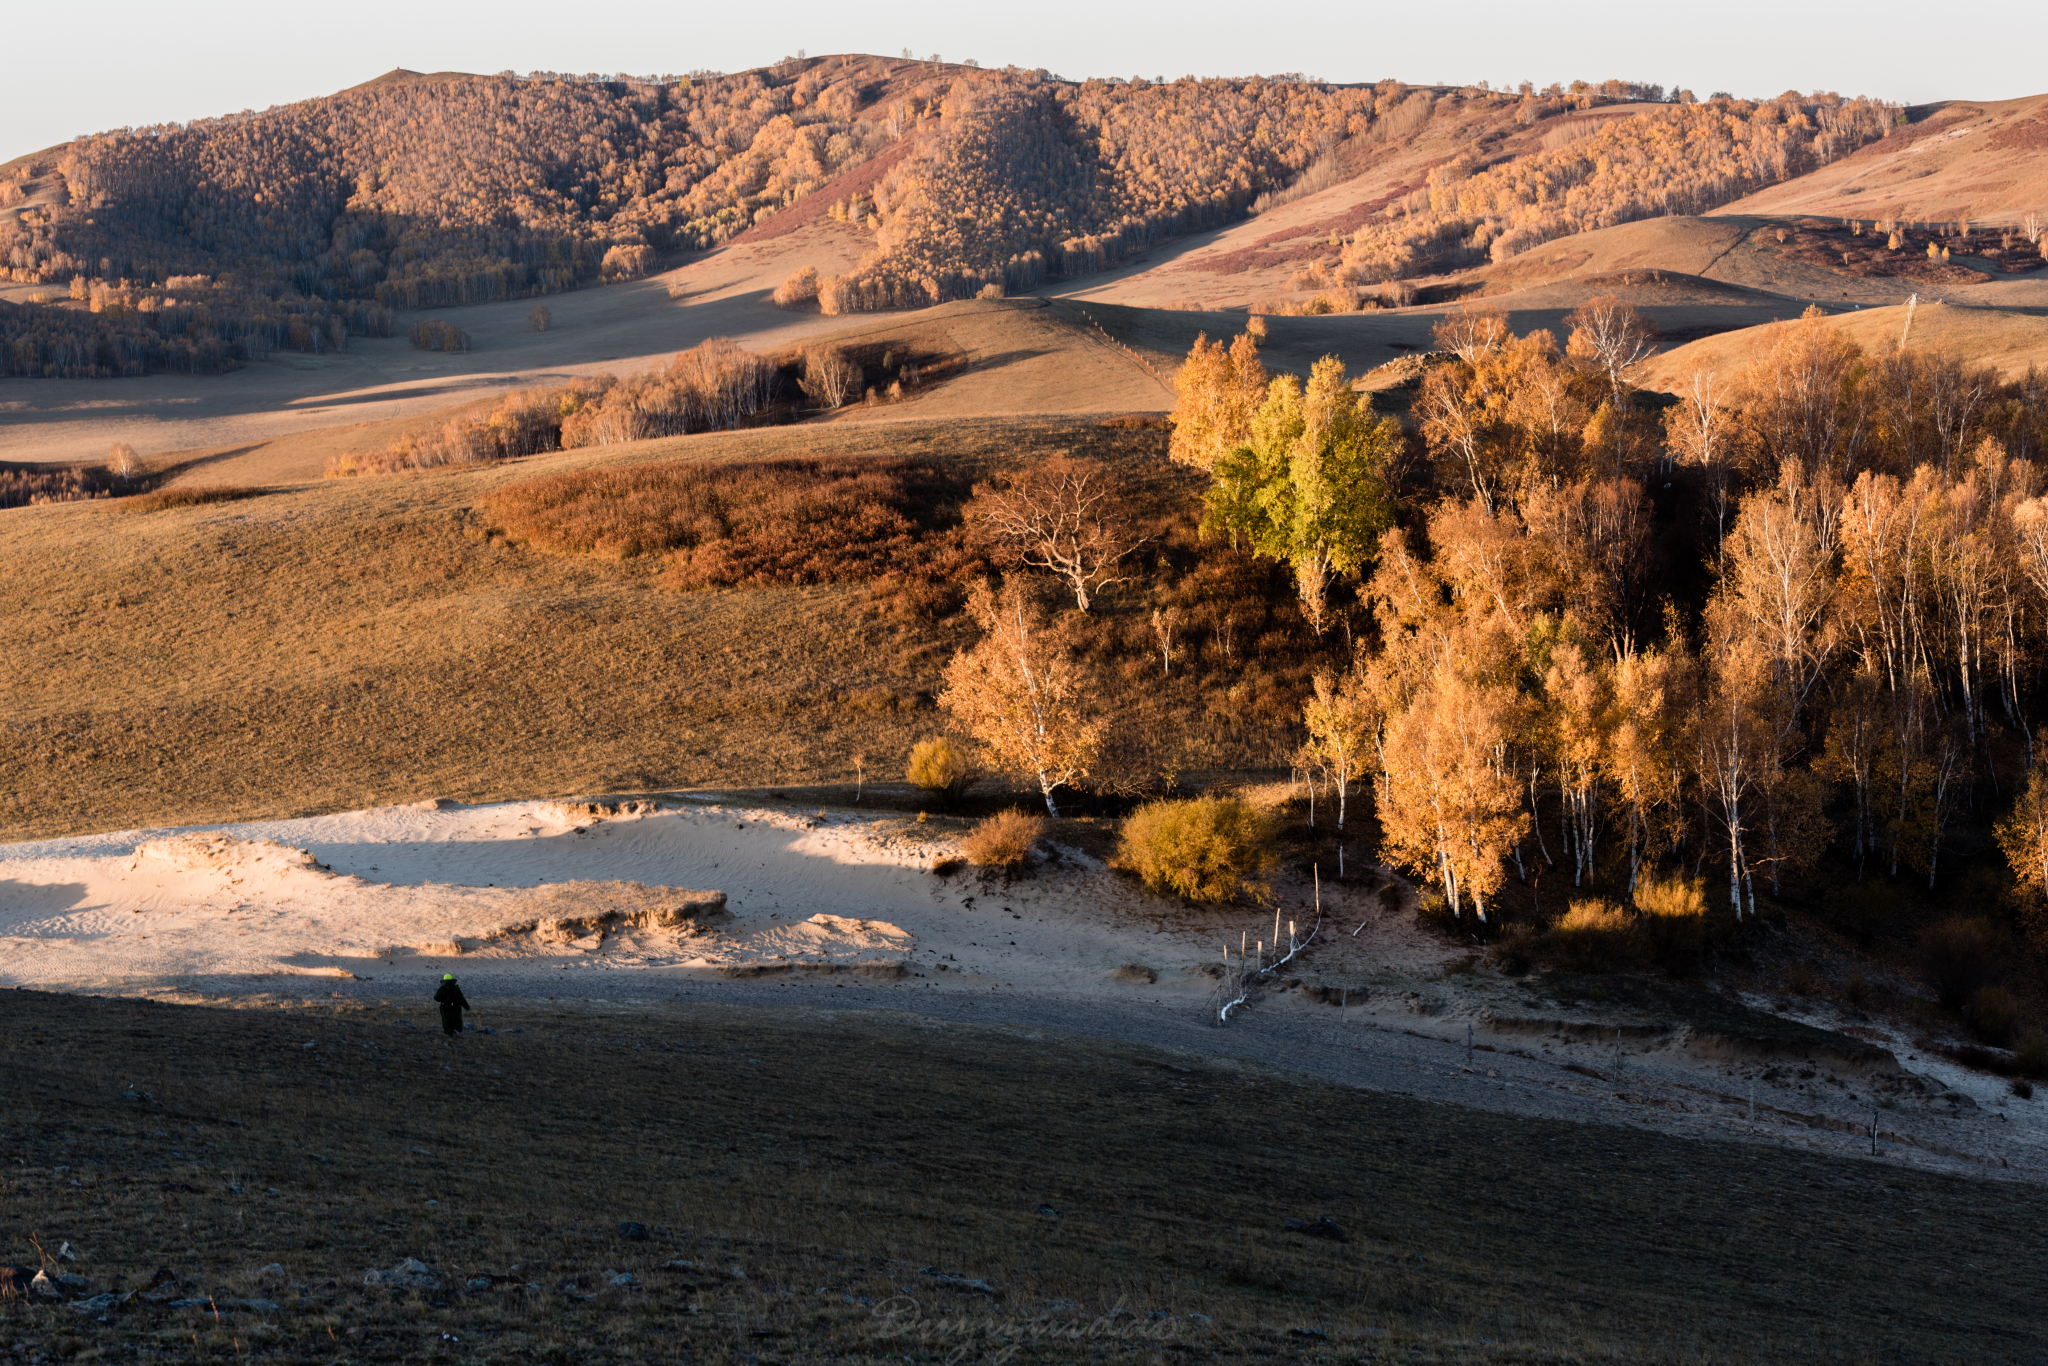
1227, 719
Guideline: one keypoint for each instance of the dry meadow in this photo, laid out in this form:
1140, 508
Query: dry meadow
361, 642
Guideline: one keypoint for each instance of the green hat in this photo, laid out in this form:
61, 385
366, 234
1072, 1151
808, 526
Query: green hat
447, 976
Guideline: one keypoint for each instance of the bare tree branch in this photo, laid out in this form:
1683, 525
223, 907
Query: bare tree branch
1064, 516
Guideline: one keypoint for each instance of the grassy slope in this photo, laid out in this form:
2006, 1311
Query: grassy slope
844, 1152
1961, 159
359, 642
1021, 357
2009, 341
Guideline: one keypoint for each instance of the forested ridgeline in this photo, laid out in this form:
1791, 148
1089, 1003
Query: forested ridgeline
413, 195
1681, 158
1025, 183
1791, 624
196, 246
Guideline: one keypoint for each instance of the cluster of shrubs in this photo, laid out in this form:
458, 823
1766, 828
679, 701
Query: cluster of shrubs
715, 385
751, 524
27, 487
432, 334
1211, 849
1666, 928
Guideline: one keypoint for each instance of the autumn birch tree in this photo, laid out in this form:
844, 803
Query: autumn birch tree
1654, 692
1581, 723
1309, 487
1021, 694
1061, 515
1450, 806
1216, 392
1340, 717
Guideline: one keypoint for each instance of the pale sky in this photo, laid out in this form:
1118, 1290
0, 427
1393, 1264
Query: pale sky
134, 63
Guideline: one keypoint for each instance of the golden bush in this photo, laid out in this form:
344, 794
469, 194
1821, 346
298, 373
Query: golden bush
939, 766
1213, 849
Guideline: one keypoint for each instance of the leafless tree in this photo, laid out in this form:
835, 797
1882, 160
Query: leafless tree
829, 377
123, 463
1470, 333
1062, 515
1164, 624
1616, 337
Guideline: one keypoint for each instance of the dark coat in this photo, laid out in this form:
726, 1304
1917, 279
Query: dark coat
451, 998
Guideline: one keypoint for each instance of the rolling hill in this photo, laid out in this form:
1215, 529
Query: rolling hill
1153, 211
192, 248
1958, 161
2009, 342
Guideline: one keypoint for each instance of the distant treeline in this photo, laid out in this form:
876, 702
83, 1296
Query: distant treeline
196, 329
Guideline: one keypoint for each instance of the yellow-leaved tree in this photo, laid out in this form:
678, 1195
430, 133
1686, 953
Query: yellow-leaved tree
2023, 839
1309, 484
1342, 720
1449, 805
1022, 695
1580, 720
1654, 693
1216, 391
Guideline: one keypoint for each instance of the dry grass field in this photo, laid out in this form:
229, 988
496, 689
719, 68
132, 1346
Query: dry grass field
2009, 341
1959, 159
366, 641
823, 1186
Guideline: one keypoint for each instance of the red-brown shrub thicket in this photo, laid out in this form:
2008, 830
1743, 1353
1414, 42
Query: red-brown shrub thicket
751, 524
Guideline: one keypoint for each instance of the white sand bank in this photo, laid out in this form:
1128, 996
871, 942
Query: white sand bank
710, 886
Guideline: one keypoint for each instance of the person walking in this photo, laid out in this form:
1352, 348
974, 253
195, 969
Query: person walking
452, 1003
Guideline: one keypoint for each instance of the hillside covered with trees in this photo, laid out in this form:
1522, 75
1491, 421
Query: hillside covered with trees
1783, 635
191, 247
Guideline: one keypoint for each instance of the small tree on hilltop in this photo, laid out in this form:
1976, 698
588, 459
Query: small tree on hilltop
1021, 694
1062, 515
1310, 486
